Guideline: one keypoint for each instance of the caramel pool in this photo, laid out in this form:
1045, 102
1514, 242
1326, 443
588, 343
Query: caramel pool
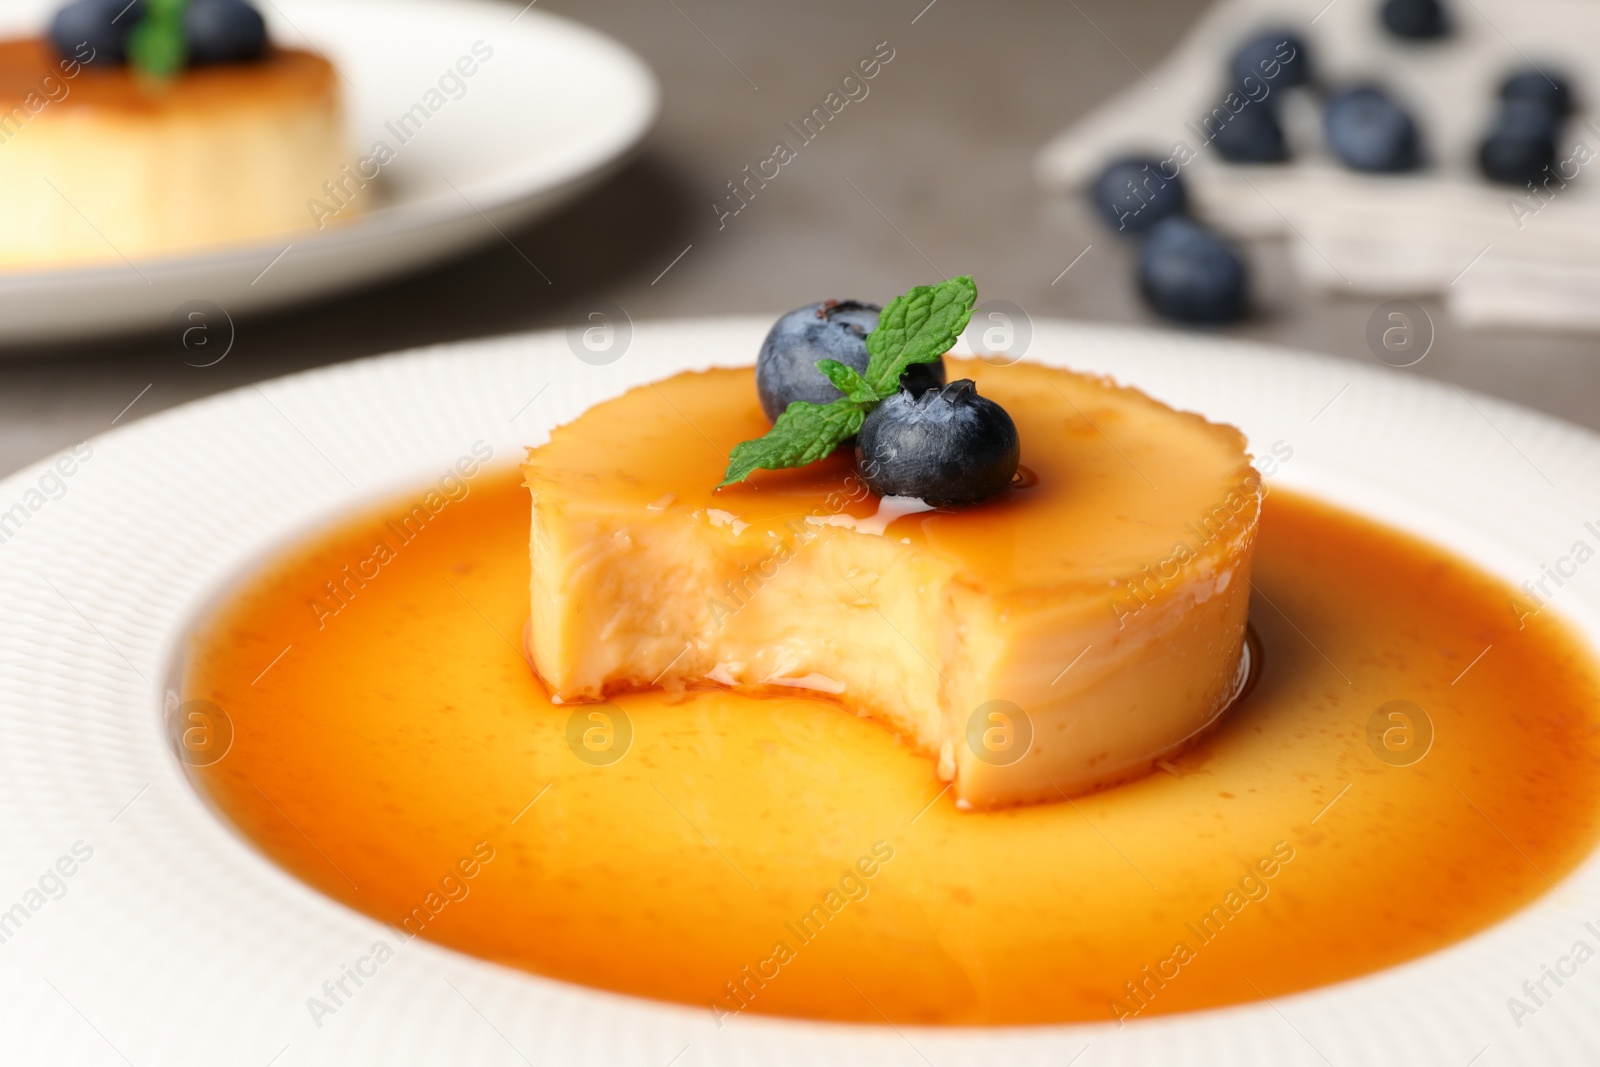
1388, 787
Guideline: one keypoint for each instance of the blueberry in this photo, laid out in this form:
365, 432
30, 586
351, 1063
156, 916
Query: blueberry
1278, 58
224, 31
1521, 144
1252, 136
1546, 88
102, 25
1187, 272
786, 369
1415, 20
1371, 132
1133, 194
948, 446
920, 377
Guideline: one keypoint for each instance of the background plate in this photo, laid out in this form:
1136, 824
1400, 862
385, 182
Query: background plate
177, 943
550, 113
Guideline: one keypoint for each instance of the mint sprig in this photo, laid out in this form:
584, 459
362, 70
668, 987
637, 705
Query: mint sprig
848, 381
803, 434
158, 46
918, 327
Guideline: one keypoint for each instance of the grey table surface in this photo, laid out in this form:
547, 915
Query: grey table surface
928, 175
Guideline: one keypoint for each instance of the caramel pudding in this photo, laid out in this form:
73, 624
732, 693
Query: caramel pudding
105, 163
772, 854
1061, 636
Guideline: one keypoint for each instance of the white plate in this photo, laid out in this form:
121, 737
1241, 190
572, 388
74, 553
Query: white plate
550, 112
177, 943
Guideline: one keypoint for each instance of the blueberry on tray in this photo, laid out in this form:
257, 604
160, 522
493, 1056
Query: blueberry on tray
1370, 132
1134, 193
1547, 88
1415, 20
1189, 273
1277, 58
1254, 135
1521, 144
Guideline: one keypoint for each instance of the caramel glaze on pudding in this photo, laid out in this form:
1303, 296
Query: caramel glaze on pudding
387, 735
217, 154
1064, 635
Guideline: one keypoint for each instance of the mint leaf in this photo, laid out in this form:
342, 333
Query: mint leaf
918, 327
848, 381
157, 46
803, 434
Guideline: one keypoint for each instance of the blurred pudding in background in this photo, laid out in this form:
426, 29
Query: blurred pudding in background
136, 129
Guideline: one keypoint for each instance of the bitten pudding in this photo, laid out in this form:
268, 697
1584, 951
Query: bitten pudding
1063, 634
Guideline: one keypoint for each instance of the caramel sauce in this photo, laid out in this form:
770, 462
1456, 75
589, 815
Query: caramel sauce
777, 855
35, 78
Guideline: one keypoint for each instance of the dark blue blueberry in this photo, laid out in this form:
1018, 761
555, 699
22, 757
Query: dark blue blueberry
786, 369
1187, 272
1252, 136
1276, 58
1369, 131
224, 31
1521, 145
1416, 20
95, 28
920, 377
949, 446
1133, 194
1546, 88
